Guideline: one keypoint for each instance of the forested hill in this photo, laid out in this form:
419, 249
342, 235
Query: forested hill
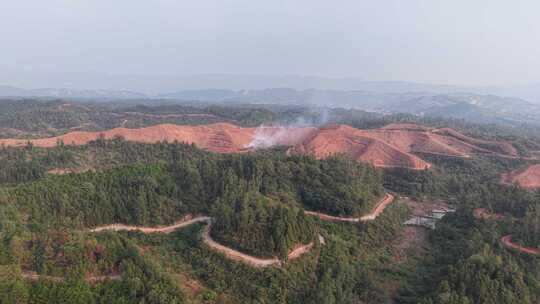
51, 197
203, 183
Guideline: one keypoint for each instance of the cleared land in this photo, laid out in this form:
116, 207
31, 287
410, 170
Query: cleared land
392, 146
528, 178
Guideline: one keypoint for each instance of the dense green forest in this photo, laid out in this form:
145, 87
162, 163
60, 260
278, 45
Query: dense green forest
352, 267
528, 231
65, 260
467, 264
257, 202
259, 225
349, 187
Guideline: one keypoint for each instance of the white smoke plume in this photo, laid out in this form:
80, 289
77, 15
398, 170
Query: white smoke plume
267, 136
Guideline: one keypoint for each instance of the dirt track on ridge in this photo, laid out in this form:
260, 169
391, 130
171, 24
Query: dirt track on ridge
376, 211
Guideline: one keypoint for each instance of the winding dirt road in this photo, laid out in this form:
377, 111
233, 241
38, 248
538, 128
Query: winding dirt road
375, 212
233, 254
481, 213
507, 241
186, 221
236, 255
207, 239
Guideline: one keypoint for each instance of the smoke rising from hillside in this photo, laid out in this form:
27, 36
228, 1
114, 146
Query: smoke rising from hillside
267, 136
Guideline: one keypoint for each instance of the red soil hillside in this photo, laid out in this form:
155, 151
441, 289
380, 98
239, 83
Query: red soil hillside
220, 137
417, 141
481, 146
528, 178
390, 146
414, 138
393, 145
353, 142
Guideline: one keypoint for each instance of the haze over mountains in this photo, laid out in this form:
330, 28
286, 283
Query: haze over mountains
155, 85
9, 91
382, 97
469, 106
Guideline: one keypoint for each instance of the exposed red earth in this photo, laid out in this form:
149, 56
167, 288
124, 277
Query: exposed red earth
507, 241
219, 137
528, 178
394, 144
216, 137
500, 148
341, 139
391, 146
413, 138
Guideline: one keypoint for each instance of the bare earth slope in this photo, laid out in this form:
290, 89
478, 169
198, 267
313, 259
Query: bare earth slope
391, 146
528, 178
414, 138
394, 144
219, 137
357, 144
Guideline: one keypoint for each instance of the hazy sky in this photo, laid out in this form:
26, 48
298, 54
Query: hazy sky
459, 41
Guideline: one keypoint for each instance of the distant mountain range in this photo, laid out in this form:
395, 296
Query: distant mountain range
157, 84
469, 106
8, 91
